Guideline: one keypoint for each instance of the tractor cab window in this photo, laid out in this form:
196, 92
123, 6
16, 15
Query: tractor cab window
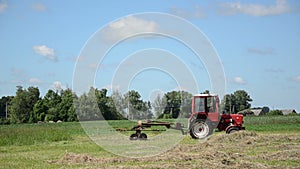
199, 104
205, 104
211, 104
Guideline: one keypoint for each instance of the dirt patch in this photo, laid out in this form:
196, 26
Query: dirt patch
238, 150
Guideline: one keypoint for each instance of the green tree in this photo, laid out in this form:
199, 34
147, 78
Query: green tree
173, 100
88, 107
159, 105
40, 110
52, 101
65, 105
186, 103
119, 102
275, 113
21, 109
137, 108
228, 103
242, 100
238, 101
107, 106
4, 104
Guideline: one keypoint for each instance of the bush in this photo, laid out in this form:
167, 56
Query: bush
49, 117
4, 121
275, 113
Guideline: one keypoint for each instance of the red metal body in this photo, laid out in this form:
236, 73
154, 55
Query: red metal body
205, 106
206, 116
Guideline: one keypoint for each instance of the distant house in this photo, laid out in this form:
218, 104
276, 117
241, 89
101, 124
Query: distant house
258, 112
252, 112
246, 112
288, 111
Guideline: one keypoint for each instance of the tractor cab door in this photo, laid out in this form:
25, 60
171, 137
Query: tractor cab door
212, 108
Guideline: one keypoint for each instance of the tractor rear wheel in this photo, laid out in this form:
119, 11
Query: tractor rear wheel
200, 129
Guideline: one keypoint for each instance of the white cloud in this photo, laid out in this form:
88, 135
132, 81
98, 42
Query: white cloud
58, 86
3, 6
127, 27
268, 51
239, 80
195, 13
232, 8
297, 78
38, 7
35, 81
45, 51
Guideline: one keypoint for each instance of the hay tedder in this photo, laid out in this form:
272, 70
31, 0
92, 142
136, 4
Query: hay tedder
205, 117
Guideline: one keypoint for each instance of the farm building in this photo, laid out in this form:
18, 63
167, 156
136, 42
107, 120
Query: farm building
288, 111
251, 112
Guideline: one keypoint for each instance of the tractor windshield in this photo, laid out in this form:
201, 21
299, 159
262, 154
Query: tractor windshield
205, 104
199, 104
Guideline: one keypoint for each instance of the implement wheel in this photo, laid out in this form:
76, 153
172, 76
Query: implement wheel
200, 129
133, 137
142, 136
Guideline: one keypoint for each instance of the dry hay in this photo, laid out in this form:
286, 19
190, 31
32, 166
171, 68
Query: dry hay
242, 149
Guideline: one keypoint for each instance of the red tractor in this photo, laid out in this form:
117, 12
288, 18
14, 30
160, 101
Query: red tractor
206, 117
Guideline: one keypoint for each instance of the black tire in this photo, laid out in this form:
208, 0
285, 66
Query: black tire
232, 130
200, 129
133, 137
143, 136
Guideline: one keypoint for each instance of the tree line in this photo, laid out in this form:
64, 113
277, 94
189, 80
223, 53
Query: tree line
27, 106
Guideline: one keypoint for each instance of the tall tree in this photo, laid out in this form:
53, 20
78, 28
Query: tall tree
40, 110
65, 105
137, 108
52, 100
228, 104
242, 100
172, 108
21, 109
186, 103
159, 105
119, 102
238, 101
107, 106
4, 104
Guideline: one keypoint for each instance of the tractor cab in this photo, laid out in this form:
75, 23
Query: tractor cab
205, 106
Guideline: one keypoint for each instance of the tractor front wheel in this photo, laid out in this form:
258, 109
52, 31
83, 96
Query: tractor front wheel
200, 129
232, 130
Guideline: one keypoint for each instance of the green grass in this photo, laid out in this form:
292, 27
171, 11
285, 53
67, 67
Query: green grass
34, 145
272, 123
30, 134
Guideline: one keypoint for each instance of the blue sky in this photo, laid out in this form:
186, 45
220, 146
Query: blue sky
258, 43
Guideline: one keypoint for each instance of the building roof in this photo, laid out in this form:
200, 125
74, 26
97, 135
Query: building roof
288, 111
257, 112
